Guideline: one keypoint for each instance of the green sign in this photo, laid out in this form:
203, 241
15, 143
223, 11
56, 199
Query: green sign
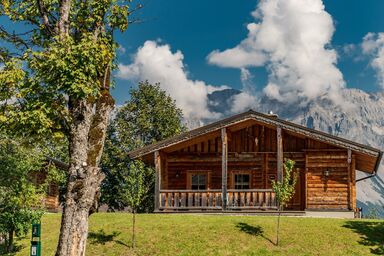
35, 241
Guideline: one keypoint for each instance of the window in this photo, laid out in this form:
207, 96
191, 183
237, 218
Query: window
242, 181
198, 181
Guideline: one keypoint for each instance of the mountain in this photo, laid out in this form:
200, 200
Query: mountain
354, 114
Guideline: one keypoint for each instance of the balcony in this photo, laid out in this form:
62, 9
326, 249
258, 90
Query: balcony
246, 199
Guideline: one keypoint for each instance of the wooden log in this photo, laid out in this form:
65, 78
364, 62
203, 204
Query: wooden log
197, 200
230, 199
267, 199
157, 179
183, 199
260, 198
321, 185
204, 199
273, 200
242, 199
218, 200
162, 201
248, 199
353, 192
254, 199
190, 199
210, 199
327, 164
224, 166
176, 200
279, 155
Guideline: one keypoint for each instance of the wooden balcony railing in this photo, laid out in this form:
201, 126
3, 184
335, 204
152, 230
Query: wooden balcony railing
212, 199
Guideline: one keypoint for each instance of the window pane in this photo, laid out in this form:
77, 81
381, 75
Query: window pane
198, 181
242, 181
195, 179
202, 179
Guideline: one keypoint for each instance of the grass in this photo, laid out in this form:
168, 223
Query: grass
178, 234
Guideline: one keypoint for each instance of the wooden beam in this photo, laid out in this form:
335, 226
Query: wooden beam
280, 155
224, 166
157, 180
306, 183
353, 192
265, 171
350, 183
262, 139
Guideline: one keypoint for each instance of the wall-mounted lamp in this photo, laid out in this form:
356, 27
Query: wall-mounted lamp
177, 174
327, 172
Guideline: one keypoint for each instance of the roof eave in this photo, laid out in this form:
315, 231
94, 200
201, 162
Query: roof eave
322, 136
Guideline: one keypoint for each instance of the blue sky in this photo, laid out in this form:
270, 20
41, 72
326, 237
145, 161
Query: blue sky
289, 50
196, 28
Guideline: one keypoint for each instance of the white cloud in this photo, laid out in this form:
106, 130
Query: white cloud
156, 63
291, 38
243, 101
373, 46
247, 99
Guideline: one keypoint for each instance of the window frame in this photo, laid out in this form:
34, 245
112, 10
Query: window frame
199, 172
233, 176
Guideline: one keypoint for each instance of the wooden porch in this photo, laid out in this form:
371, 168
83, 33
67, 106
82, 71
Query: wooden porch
248, 199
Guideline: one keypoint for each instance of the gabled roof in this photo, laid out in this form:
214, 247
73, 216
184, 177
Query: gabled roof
268, 120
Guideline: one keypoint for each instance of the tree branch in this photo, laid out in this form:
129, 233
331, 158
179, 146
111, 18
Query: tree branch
63, 24
13, 38
44, 16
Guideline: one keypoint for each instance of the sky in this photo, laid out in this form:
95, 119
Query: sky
287, 49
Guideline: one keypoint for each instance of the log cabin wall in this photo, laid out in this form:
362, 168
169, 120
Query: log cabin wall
253, 150
333, 191
51, 200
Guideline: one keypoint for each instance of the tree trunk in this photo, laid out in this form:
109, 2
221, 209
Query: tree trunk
9, 245
86, 140
133, 227
278, 226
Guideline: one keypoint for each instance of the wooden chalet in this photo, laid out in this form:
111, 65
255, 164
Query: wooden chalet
229, 166
51, 201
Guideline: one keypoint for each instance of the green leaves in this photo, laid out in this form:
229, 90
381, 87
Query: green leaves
42, 71
285, 190
20, 199
75, 68
149, 116
135, 187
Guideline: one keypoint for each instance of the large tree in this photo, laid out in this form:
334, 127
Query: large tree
150, 115
55, 81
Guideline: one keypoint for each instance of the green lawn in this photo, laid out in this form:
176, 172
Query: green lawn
178, 234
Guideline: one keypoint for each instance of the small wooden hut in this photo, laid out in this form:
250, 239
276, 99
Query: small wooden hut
229, 166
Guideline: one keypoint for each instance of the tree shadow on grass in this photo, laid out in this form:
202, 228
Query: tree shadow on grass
371, 234
252, 230
100, 237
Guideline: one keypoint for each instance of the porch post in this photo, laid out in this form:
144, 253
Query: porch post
224, 166
279, 155
350, 181
157, 180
